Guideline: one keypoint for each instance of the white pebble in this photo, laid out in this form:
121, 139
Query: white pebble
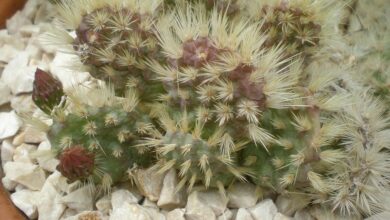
243, 214
10, 124
265, 210
26, 200
242, 195
26, 174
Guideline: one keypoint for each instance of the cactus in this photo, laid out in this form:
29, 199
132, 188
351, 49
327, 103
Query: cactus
113, 39
185, 145
94, 134
302, 25
216, 90
211, 70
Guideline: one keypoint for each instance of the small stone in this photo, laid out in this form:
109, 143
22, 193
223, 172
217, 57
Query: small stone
45, 158
18, 75
29, 30
20, 187
198, 209
60, 183
22, 103
265, 210
123, 196
169, 198
33, 50
10, 124
16, 21
149, 183
303, 215
49, 202
7, 53
155, 214
242, 195
380, 216
9, 184
176, 214
280, 216
214, 200
243, 214
289, 204
34, 136
22, 153
104, 204
69, 213
149, 204
18, 139
26, 174
5, 92
79, 200
7, 152
26, 200
87, 215
130, 212
227, 215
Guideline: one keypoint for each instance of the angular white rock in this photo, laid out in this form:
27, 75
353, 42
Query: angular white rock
242, 195
10, 124
243, 214
18, 75
7, 53
288, 205
130, 212
214, 200
49, 202
265, 210
149, 204
87, 215
60, 183
5, 92
176, 214
6, 39
34, 136
22, 103
197, 208
7, 152
104, 204
227, 215
26, 174
149, 183
280, 216
22, 153
26, 200
121, 196
29, 30
45, 158
80, 200
169, 198
15, 22
9, 184
18, 139
61, 68
155, 214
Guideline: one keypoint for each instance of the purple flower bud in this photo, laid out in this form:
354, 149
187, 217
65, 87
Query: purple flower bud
47, 91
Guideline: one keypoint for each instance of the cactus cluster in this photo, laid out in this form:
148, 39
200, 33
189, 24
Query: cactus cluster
216, 91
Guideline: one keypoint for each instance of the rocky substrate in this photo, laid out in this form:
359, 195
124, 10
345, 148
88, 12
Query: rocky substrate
40, 191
